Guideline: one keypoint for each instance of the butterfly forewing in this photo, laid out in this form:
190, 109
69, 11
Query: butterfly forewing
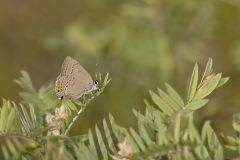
72, 67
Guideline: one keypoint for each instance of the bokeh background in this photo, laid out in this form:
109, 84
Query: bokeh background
141, 43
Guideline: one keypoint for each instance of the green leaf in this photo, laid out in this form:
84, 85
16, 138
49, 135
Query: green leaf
68, 104
204, 130
193, 133
39, 131
11, 147
92, 145
193, 83
102, 83
25, 82
134, 146
27, 121
233, 148
137, 139
81, 151
231, 140
196, 104
162, 139
236, 120
213, 143
17, 143
121, 133
161, 136
202, 153
168, 100
108, 137
142, 118
174, 95
4, 115
5, 152
32, 115
67, 154
145, 135
161, 103
11, 123
222, 82
101, 143
208, 69
187, 154
208, 88
185, 136
106, 79
85, 151
177, 128
116, 130
212, 139
46, 96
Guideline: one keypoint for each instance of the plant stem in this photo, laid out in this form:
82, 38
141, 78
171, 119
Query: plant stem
74, 120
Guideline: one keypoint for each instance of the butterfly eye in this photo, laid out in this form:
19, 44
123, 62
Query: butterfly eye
96, 82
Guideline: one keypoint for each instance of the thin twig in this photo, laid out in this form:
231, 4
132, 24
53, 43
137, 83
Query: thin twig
74, 120
78, 114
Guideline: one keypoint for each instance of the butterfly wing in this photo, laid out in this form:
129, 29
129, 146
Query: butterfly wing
77, 80
80, 85
71, 67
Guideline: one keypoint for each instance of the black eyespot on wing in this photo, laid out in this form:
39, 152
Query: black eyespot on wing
96, 82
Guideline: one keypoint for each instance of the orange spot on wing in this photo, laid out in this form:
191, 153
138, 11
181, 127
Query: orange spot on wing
59, 86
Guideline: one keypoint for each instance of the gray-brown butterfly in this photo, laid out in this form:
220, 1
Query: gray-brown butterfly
73, 81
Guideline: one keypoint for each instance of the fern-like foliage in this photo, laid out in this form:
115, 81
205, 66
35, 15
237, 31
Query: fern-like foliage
19, 131
160, 134
38, 128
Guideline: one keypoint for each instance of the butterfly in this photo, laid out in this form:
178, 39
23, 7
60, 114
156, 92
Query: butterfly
73, 81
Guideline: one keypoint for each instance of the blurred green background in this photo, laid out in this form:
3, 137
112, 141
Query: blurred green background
141, 43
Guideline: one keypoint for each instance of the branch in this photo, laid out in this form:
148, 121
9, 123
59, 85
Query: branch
74, 120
